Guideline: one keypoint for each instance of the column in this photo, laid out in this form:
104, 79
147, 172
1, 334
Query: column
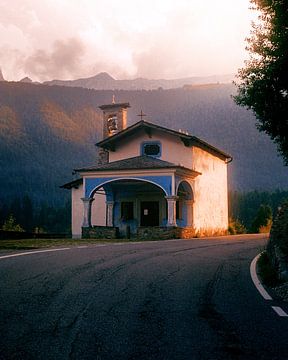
171, 207
110, 207
189, 212
87, 211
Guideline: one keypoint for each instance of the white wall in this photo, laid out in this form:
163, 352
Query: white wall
98, 215
77, 211
210, 210
173, 149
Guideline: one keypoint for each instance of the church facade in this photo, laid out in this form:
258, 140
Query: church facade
150, 182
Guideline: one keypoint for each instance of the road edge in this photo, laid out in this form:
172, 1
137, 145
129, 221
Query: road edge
256, 280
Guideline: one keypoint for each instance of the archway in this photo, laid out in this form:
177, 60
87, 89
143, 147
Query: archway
184, 204
131, 203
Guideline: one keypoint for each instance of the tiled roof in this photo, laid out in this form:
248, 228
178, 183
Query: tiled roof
134, 163
187, 139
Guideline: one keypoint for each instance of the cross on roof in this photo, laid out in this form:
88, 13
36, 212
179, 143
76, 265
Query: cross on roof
141, 115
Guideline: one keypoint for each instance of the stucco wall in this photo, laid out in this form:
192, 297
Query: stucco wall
210, 210
77, 211
98, 214
179, 155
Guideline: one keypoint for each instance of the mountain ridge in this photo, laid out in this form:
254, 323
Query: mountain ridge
104, 81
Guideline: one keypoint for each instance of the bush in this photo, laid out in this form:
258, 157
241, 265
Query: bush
236, 227
267, 272
263, 219
11, 225
279, 230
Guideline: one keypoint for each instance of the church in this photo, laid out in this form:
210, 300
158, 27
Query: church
150, 182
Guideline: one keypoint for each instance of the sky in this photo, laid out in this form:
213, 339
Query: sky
70, 39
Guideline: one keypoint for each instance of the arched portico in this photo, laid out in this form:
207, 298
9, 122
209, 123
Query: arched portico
184, 205
134, 202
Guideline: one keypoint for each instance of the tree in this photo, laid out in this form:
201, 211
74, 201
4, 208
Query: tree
11, 225
263, 86
262, 220
27, 213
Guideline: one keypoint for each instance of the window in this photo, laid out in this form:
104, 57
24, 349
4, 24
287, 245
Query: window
151, 149
127, 210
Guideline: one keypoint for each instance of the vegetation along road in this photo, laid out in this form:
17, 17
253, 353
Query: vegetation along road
177, 299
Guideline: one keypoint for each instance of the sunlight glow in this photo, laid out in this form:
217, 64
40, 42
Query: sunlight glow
147, 38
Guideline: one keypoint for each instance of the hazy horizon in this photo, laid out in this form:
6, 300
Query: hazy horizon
158, 39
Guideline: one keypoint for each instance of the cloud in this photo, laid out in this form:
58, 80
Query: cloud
148, 38
64, 60
194, 41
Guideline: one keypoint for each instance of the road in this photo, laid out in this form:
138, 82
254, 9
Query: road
178, 299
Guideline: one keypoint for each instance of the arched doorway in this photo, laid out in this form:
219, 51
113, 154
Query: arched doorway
184, 204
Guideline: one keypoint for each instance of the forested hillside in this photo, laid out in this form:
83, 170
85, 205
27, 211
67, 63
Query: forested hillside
46, 131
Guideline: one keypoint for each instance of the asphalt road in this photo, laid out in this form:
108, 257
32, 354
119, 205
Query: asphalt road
179, 299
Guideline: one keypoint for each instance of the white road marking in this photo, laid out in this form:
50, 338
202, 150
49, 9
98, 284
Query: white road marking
256, 281
279, 311
32, 252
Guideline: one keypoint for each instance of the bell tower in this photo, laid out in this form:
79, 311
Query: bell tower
114, 121
114, 118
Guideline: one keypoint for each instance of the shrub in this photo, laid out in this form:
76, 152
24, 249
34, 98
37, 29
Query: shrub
11, 225
236, 227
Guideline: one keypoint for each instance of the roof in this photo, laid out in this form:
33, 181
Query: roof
72, 184
137, 163
115, 105
187, 139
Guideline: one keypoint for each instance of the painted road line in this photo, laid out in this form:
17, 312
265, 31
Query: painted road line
32, 252
279, 311
256, 280
82, 247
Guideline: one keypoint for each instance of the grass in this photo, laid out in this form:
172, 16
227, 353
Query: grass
266, 271
30, 244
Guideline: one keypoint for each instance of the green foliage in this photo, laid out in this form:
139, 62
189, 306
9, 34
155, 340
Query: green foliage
279, 230
264, 80
244, 206
236, 227
262, 219
11, 225
267, 272
43, 218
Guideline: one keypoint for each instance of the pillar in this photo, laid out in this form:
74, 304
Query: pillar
87, 202
189, 212
171, 207
109, 218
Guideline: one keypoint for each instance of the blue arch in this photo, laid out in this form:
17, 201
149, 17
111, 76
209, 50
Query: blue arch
186, 187
164, 182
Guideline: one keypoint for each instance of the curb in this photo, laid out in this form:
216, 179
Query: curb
278, 310
255, 279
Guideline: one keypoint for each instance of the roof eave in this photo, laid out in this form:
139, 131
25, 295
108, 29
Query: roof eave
109, 143
72, 184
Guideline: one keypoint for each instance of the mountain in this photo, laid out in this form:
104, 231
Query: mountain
104, 81
47, 131
26, 80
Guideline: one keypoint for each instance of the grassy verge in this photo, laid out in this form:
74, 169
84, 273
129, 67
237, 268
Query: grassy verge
266, 271
30, 244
